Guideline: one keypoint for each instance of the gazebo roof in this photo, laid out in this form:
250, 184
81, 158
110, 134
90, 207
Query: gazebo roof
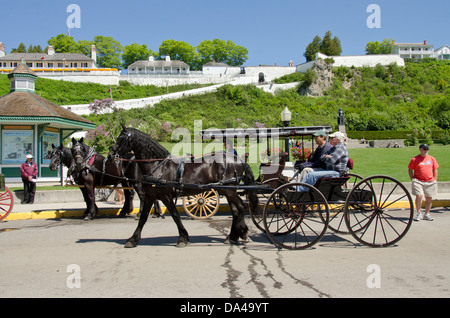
28, 107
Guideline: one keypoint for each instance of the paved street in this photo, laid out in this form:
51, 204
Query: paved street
70, 257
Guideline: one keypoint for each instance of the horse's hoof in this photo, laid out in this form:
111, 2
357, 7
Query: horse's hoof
130, 245
230, 241
245, 238
182, 244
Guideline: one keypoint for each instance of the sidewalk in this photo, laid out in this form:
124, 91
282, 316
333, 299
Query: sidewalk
69, 203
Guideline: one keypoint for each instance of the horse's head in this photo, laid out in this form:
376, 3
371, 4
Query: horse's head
122, 145
56, 157
79, 153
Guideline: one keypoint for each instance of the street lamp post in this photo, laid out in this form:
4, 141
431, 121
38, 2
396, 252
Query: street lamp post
286, 119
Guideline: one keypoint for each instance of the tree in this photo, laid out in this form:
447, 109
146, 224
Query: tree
21, 48
312, 49
328, 46
375, 47
62, 43
108, 52
222, 51
135, 52
83, 47
182, 51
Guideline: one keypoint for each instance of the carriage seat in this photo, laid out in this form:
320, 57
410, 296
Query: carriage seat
330, 185
271, 170
329, 181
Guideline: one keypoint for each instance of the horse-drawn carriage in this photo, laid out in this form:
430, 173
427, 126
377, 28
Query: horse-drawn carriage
6, 199
377, 211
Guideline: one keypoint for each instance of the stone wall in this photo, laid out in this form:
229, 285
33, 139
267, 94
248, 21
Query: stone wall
355, 60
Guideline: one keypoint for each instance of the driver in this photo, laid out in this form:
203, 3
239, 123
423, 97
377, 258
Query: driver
335, 160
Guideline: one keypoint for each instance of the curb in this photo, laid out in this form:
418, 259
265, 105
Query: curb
78, 213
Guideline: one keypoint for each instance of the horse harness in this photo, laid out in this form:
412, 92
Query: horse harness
178, 183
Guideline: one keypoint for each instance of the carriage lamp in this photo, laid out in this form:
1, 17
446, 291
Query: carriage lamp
286, 119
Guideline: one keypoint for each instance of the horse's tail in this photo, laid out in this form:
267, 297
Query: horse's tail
249, 179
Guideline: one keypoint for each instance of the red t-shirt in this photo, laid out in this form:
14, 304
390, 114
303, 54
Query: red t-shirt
423, 167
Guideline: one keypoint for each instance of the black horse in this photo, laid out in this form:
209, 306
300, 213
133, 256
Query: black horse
181, 177
99, 171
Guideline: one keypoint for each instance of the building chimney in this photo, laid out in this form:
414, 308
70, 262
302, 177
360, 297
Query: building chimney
50, 50
2, 49
425, 42
151, 58
94, 53
167, 58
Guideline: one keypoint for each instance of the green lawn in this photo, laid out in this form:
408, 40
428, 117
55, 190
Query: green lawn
394, 161
367, 161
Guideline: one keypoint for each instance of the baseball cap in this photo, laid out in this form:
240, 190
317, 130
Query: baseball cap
320, 133
424, 146
338, 135
29, 156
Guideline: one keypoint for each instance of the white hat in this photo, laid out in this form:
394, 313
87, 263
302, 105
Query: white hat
29, 156
338, 135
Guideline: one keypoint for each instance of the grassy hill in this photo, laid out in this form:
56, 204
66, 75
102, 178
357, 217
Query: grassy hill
69, 93
376, 99
416, 96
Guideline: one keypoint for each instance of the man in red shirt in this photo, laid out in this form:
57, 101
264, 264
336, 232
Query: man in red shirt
422, 170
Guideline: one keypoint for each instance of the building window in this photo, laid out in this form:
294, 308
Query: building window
16, 145
39, 64
60, 64
48, 138
50, 64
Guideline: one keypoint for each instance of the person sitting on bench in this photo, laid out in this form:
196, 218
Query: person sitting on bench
335, 162
314, 163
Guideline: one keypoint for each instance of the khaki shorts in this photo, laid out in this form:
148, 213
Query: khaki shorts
429, 189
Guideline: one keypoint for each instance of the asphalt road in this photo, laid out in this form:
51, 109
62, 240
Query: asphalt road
74, 258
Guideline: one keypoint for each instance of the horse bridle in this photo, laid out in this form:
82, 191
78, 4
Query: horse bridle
115, 150
58, 156
78, 148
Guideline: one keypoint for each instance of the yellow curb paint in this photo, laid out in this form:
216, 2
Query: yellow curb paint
56, 214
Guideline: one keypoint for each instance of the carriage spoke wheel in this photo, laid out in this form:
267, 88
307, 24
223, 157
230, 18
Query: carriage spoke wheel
263, 195
337, 222
202, 205
379, 211
6, 203
296, 220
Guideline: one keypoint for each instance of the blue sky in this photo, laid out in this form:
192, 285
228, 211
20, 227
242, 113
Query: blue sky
273, 31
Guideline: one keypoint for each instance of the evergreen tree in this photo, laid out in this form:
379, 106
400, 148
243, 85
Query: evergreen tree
312, 49
21, 48
328, 46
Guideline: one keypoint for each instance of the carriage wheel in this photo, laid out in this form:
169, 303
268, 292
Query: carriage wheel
337, 222
6, 203
263, 195
379, 211
202, 205
294, 219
